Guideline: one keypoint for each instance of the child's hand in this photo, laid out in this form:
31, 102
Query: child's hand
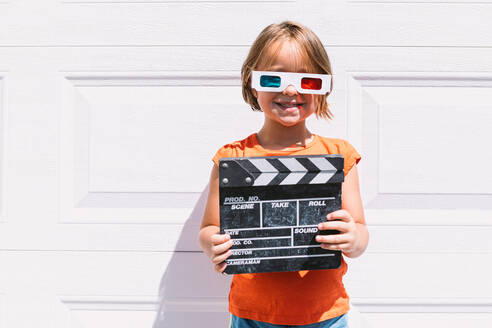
220, 251
346, 240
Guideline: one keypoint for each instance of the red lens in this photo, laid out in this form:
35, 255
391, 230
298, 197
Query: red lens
311, 83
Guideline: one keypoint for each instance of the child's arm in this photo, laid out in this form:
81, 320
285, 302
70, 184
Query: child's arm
215, 245
353, 237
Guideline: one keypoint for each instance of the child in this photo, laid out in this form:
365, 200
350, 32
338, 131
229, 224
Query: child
315, 298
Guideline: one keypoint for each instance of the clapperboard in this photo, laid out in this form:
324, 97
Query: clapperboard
271, 206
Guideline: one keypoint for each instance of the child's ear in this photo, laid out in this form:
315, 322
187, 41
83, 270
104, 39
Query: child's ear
255, 94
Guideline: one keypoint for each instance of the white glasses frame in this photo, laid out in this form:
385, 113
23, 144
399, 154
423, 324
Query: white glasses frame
289, 78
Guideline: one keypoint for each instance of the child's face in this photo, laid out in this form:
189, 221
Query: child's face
288, 107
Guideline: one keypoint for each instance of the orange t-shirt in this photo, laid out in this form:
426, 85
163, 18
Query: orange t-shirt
298, 297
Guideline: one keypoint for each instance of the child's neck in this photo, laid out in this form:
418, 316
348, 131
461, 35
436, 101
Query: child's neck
276, 136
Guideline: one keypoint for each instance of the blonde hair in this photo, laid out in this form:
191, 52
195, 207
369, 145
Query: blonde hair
309, 48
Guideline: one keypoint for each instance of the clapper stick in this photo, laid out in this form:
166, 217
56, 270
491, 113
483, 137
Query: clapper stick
271, 206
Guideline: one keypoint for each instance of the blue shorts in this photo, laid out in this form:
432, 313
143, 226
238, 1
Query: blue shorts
337, 322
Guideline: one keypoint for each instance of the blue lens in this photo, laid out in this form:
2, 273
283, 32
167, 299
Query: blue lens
270, 81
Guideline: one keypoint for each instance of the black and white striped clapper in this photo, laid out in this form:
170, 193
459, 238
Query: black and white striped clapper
271, 207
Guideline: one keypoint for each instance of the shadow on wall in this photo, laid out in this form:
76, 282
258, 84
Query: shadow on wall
191, 293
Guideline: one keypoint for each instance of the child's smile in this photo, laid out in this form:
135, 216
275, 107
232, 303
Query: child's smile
290, 106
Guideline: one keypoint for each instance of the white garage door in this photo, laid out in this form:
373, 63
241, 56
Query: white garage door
112, 109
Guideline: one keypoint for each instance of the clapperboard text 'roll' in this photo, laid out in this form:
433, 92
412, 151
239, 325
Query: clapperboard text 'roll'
271, 207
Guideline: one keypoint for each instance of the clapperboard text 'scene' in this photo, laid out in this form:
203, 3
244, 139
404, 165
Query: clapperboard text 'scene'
271, 207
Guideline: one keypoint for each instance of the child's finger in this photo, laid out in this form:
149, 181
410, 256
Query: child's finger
336, 247
222, 257
333, 239
339, 215
220, 239
221, 248
220, 267
334, 225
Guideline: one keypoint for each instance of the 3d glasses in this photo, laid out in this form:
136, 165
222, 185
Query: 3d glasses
303, 82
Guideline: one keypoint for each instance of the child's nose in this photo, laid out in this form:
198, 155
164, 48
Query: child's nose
290, 90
